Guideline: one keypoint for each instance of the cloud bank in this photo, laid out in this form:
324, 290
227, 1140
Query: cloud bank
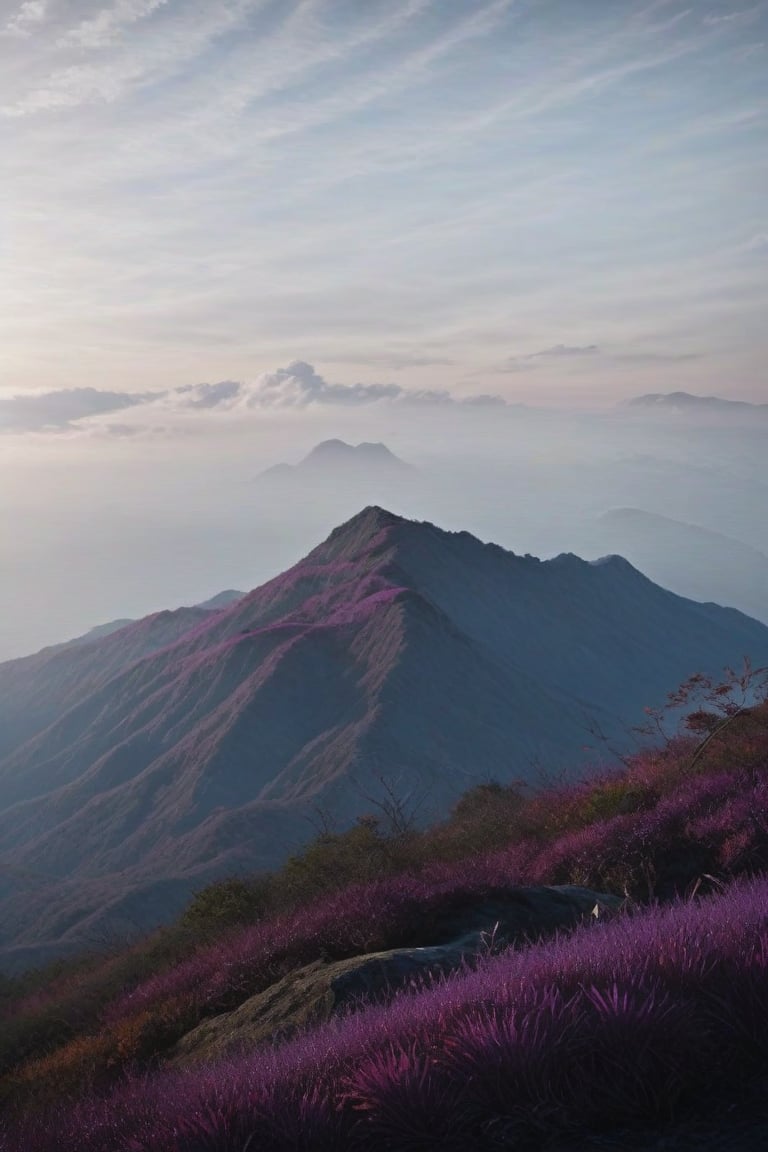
61, 410
297, 386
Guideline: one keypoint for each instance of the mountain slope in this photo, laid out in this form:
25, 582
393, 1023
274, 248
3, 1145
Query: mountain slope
185, 746
35, 689
690, 560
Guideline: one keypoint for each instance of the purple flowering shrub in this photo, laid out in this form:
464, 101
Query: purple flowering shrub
620, 1026
708, 826
654, 832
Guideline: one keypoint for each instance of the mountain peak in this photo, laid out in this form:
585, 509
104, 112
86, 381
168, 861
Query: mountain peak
328, 449
361, 531
336, 459
338, 451
373, 516
202, 739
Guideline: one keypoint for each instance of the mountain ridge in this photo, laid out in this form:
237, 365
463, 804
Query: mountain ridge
688, 401
188, 745
687, 558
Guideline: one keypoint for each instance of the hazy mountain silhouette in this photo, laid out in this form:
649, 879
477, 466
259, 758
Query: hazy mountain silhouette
98, 632
686, 402
193, 743
335, 459
220, 600
687, 559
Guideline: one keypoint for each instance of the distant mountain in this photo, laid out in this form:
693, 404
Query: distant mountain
336, 458
686, 402
193, 744
98, 633
687, 559
220, 600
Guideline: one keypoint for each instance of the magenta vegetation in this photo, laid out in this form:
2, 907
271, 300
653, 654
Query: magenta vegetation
710, 824
623, 1025
639, 1023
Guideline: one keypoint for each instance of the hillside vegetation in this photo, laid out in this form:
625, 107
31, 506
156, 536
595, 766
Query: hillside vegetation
631, 1023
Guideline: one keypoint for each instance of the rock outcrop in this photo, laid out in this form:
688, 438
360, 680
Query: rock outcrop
314, 993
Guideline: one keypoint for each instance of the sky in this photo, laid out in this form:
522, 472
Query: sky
553, 201
230, 230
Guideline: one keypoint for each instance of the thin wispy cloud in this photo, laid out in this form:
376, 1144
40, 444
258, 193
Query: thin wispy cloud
104, 28
652, 358
565, 351
757, 244
714, 20
577, 354
199, 191
559, 352
29, 15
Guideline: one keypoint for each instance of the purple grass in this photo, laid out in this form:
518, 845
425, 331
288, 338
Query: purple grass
620, 1025
708, 824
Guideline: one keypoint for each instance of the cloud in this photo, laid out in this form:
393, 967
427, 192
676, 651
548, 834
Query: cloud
60, 410
527, 363
732, 17
102, 30
165, 117
121, 69
123, 430
565, 351
757, 243
656, 357
531, 361
508, 368
441, 398
224, 394
29, 15
299, 385
394, 361
484, 400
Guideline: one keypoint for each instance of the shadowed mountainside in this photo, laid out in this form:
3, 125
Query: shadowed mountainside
192, 743
686, 558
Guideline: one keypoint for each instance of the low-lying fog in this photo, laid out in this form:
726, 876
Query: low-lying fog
102, 520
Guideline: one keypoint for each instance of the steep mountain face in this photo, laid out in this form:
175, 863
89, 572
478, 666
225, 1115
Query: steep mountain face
36, 689
395, 654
